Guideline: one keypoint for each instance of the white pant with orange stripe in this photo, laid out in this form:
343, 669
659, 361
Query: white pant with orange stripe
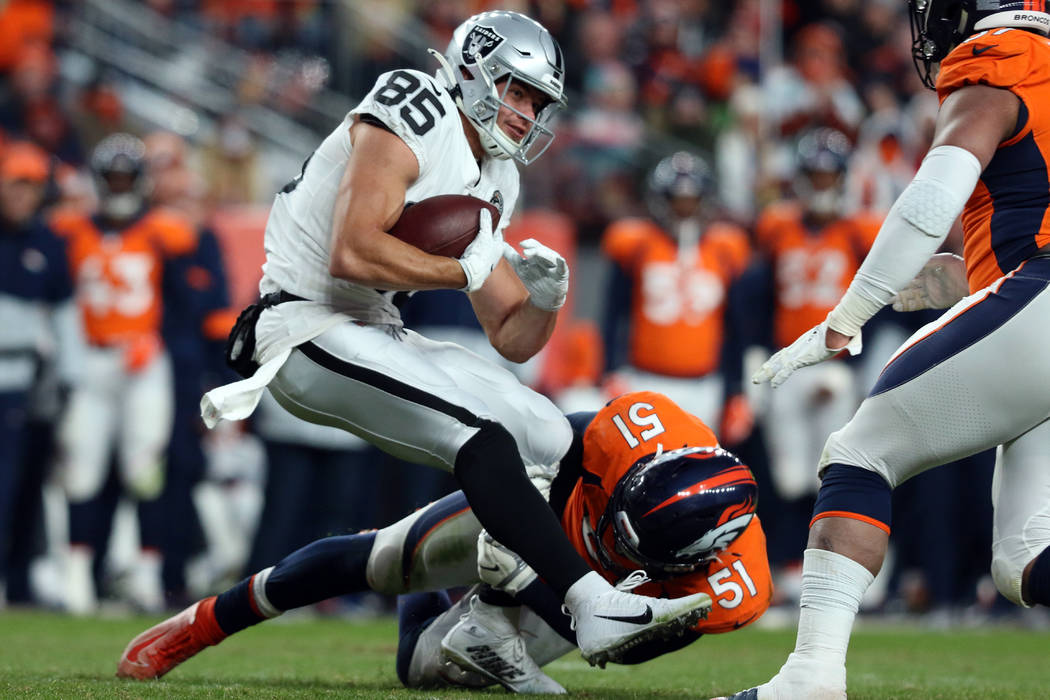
114, 409
976, 378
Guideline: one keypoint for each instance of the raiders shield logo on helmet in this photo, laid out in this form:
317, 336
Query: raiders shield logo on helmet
480, 42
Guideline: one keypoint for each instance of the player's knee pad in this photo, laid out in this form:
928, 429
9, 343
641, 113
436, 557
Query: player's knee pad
81, 481
852, 492
385, 570
143, 475
1013, 552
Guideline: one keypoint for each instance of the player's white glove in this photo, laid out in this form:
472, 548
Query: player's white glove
940, 283
480, 257
542, 476
543, 271
501, 568
809, 349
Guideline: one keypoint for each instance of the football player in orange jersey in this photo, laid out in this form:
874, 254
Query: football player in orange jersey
667, 298
975, 378
809, 248
643, 485
124, 406
650, 501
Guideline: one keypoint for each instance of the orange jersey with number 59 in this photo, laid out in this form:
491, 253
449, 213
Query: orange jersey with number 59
629, 428
118, 273
677, 294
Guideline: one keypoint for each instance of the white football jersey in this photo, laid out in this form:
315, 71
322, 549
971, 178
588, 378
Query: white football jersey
419, 110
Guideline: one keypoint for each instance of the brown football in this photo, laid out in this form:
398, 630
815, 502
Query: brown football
442, 225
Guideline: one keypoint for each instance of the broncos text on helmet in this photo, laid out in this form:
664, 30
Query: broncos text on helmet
937, 26
493, 46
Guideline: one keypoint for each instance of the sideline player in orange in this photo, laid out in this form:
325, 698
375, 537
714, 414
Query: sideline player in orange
667, 295
125, 403
643, 486
973, 379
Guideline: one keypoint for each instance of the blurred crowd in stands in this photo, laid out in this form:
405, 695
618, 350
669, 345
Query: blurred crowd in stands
794, 124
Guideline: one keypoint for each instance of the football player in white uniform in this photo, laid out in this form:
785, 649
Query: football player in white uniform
332, 350
973, 379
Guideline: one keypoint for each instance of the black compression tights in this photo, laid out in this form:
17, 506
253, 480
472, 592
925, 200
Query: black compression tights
491, 474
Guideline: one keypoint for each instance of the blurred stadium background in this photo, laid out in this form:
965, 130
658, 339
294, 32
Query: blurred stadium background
232, 96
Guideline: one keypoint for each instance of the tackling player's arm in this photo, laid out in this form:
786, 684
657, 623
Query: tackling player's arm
370, 199
975, 118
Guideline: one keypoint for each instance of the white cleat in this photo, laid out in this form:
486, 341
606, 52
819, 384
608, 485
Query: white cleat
799, 678
611, 623
486, 643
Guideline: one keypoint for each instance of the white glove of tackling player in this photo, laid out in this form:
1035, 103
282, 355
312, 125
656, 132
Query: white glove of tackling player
940, 283
543, 271
501, 568
809, 349
480, 257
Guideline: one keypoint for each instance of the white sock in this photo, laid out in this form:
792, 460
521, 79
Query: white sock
589, 585
832, 588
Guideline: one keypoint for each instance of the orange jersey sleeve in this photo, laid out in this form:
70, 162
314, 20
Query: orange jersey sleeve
172, 234
772, 221
1005, 221
732, 247
624, 240
865, 230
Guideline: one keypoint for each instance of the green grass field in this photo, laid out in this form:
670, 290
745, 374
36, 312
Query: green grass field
49, 656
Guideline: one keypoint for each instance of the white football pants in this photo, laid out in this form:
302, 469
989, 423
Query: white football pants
415, 398
113, 408
974, 379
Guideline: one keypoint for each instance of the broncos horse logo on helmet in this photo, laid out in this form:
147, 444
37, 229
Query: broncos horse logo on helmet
493, 46
938, 26
673, 512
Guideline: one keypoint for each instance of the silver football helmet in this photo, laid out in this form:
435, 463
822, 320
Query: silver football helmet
118, 164
492, 46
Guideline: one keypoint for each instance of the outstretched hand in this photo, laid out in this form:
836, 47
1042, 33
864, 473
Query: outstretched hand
809, 349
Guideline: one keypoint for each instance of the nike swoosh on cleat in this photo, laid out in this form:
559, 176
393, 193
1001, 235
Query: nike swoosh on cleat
978, 50
644, 619
133, 655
